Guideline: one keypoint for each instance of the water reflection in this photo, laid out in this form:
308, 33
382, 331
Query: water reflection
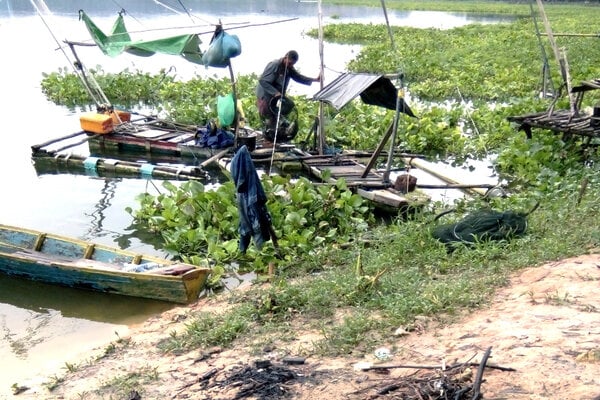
97, 216
31, 333
40, 298
51, 325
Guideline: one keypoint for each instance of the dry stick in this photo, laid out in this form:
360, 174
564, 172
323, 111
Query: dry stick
479, 376
375, 367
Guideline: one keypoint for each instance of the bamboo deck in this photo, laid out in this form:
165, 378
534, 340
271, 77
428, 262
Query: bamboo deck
560, 121
352, 166
372, 186
567, 122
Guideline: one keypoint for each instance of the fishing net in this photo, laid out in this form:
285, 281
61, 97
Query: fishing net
481, 226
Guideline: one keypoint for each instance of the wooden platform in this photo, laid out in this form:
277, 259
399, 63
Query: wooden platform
559, 121
372, 186
567, 122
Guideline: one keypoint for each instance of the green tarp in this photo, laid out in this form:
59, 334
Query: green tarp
119, 41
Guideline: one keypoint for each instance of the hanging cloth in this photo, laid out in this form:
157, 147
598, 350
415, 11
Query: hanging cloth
255, 220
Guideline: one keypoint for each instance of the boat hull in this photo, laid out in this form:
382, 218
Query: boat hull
83, 265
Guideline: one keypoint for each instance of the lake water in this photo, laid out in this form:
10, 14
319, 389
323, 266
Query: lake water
43, 327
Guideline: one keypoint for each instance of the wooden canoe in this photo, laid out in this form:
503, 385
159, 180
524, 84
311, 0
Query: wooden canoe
72, 262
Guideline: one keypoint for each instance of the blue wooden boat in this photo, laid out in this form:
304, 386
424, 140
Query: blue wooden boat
80, 264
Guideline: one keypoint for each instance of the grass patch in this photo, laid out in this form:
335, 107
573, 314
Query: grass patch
419, 279
123, 385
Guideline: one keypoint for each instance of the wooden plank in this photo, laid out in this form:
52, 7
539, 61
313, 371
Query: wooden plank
148, 134
214, 158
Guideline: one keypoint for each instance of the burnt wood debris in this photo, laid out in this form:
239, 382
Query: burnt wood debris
266, 379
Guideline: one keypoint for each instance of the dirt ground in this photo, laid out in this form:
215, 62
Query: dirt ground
545, 325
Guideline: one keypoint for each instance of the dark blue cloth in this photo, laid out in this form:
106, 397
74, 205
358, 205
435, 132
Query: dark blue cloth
251, 199
215, 139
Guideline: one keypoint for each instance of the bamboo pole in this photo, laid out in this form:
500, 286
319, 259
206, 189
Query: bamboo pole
214, 158
235, 99
435, 171
38, 147
321, 127
387, 22
559, 57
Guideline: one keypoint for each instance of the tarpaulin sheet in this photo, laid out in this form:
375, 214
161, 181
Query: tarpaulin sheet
118, 41
373, 89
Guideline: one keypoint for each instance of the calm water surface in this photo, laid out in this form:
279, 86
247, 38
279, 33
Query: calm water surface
43, 327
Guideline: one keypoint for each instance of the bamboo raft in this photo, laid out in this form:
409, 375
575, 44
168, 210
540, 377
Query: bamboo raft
560, 121
101, 166
352, 166
368, 183
566, 122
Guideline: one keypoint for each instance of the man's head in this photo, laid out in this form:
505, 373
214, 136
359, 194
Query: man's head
291, 57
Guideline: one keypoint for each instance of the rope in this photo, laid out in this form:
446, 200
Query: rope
186, 10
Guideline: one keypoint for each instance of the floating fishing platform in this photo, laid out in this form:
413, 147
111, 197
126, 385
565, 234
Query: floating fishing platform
368, 183
110, 136
348, 165
183, 159
572, 122
115, 133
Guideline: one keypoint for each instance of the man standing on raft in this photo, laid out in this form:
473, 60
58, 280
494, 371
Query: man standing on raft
271, 89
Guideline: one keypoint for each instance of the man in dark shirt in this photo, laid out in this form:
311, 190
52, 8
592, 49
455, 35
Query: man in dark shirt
273, 83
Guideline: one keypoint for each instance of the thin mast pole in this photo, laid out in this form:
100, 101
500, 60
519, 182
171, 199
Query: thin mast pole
387, 22
321, 127
399, 96
546, 79
96, 93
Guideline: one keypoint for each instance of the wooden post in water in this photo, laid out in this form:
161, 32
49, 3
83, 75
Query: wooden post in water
378, 150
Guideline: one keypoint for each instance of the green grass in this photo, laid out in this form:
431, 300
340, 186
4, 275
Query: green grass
356, 296
122, 386
418, 278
